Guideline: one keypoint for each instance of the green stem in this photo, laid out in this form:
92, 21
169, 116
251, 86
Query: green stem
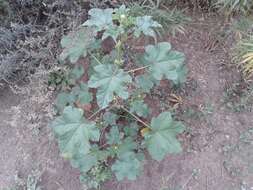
140, 68
96, 59
135, 117
95, 113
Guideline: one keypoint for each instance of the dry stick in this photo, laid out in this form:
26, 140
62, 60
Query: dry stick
133, 70
96, 59
138, 119
94, 114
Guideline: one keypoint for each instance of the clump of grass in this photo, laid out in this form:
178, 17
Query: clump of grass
234, 6
172, 20
242, 27
244, 56
243, 51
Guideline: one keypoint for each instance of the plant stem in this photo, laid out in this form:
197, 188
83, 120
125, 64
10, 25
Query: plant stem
96, 59
135, 117
140, 68
95, 113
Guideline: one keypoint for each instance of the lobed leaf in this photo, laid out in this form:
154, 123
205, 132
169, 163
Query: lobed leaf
165, 62
110, 118
144, 82
77, 43
145, 25
74, 133
64, 99
127, 166
100, 19
109, 80
114, 136
140, 108
82, 93
162, 140
79, 93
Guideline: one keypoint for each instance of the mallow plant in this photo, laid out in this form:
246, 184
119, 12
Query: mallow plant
104, 126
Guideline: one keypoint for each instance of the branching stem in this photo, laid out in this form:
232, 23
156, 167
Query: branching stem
135, 117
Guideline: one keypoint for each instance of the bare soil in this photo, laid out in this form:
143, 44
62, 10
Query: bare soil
218, 142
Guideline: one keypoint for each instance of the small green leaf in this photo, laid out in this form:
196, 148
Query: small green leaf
64, 99
144, 82
79, 93
127, 166
82, 93
146, 25
162, 140
122, 10
100, 19
84, 162
131, 130
109, 80
114, 136
74, 132
114, 32
165, 62
110, 118
126, 145
76, 73
140, 108
76, 44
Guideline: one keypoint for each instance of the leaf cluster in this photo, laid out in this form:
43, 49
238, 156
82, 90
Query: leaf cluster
104, 125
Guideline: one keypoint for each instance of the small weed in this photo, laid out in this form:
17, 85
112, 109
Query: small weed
96, 176
238, 99
30, 183
199, 113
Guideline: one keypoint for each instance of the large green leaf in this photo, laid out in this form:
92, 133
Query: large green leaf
162, 140
146, 25
165, 62
109, 80
100, 19
74, 132
127, 166
77, 43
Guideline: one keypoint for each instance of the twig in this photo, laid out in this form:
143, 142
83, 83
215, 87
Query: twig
138, 119
96, 59
140, 68
94, 114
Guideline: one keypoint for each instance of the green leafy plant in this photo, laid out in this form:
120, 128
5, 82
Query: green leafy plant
103, 123
234, 6
244, 56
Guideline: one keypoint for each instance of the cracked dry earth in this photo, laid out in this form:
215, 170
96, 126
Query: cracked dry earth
215, 157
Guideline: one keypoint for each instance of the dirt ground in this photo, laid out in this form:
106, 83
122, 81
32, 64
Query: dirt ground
218, 142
